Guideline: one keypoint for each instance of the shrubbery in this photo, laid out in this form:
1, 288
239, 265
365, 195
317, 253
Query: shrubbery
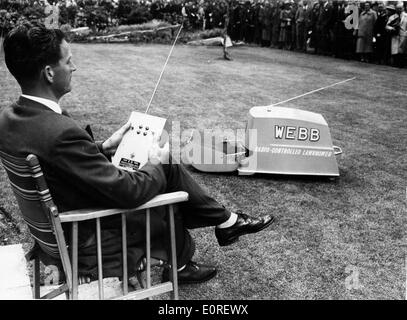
106, 18
139, 15
97, 15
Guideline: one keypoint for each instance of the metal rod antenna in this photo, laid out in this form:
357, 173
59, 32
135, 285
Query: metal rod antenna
313, 91
162, 71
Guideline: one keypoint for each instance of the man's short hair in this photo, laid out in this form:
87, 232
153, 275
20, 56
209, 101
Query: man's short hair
29, 47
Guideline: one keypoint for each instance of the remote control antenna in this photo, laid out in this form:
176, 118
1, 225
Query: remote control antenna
162, 71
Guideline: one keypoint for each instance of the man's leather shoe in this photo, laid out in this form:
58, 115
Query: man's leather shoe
192, 273
243, 225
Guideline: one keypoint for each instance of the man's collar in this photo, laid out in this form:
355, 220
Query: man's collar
46, 102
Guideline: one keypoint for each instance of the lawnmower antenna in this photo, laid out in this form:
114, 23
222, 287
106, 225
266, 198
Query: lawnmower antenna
162, 71
313, 91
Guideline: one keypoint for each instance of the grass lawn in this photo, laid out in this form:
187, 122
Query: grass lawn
328, 232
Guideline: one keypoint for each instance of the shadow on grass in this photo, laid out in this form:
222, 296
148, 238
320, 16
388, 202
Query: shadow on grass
270, 176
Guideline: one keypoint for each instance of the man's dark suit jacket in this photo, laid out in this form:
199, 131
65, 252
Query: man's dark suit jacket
79, 175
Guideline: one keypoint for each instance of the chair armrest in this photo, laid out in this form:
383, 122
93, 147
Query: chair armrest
88, 214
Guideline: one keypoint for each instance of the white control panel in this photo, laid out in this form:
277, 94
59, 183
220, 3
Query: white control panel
132, 153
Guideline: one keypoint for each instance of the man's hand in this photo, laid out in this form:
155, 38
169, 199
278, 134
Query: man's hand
111, 144
158, 154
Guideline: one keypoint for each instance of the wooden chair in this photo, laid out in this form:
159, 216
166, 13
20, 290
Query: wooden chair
45, 224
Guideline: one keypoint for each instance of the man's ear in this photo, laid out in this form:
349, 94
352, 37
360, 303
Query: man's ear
48, 74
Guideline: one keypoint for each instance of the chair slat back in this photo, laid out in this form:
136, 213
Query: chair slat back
34, 199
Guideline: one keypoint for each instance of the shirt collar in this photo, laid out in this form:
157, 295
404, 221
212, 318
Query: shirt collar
46, 102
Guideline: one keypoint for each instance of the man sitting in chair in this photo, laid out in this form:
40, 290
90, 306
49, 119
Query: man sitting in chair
79, 173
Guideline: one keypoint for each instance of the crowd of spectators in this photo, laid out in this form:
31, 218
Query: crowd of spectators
378, 35
370, 31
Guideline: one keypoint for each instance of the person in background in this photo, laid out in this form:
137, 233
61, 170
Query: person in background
285, 26
397, 26
247, 19
293, 29
314, 32
257, 37
324, 26
236, 20
303, 22
339, 30
275, 21
382, 45
349, 44
265, 20
364, 33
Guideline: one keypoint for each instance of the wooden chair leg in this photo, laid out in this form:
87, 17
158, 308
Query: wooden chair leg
148, 250
124, 255
173, 273
99, 257
36, 278
74, 260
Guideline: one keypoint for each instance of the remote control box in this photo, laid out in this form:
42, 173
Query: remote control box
132, 153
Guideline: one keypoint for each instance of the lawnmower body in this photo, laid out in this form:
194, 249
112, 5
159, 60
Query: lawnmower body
278, 140
289, 141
